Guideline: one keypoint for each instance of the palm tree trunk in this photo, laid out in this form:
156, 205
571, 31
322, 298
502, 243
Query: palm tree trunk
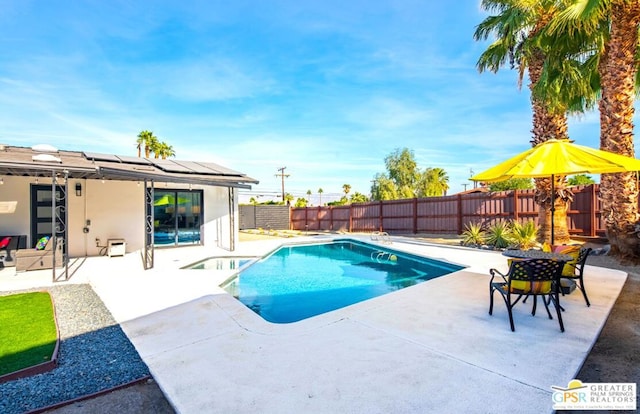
619, 192
547, 125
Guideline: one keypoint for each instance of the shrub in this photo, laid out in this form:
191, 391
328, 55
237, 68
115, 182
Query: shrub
524, 235
473, 235
498, 235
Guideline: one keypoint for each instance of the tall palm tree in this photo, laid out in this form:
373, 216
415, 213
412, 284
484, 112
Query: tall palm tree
618, 22
346, 188
320, 191
309, 196
515, 26
150, 145
143, 138
164, 150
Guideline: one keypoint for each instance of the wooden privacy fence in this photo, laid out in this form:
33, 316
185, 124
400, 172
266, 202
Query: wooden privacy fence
449, 214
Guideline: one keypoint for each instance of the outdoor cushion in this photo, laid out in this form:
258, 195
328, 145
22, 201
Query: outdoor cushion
574, 252
4, 242
524, 287
42, 243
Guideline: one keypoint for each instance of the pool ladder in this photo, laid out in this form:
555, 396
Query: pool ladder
381, 236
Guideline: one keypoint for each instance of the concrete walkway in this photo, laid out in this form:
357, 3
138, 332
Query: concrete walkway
428, 348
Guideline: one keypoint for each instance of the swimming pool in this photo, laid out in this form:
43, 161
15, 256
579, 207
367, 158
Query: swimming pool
222, 263
300, 281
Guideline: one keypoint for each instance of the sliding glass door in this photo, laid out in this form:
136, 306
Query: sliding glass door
177, 217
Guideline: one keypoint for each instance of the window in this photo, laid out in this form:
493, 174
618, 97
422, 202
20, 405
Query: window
178, 216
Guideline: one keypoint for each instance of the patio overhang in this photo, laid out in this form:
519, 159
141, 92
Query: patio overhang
23, 161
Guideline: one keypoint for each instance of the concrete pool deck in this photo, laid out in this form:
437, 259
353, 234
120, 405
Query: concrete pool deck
431, 347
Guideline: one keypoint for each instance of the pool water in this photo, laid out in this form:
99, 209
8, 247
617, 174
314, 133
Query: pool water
298, 282
222, 263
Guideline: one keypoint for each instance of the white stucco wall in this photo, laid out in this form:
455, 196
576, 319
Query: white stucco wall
115, 209
16, 189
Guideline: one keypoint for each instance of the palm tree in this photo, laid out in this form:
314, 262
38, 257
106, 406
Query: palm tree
144, 137
434, 183
150, 145
165, 150
288, 198
515, 26
346, 188
320, 191
615, 24
309, 196
618, 70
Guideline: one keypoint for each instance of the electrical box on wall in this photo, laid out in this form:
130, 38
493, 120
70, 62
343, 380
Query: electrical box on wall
116, 247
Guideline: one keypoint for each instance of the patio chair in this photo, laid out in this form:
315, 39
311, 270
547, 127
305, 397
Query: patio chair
9, 245
532, 277
574, 270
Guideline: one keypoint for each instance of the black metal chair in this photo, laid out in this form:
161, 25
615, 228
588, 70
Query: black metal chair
531, 277
574, 270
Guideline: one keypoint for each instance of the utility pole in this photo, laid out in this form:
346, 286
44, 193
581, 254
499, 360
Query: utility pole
475, 183
465, 186
283, 176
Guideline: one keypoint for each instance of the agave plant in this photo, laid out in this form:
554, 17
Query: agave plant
473, 235
498, 235
523, 235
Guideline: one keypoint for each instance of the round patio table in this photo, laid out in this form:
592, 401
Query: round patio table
536, 254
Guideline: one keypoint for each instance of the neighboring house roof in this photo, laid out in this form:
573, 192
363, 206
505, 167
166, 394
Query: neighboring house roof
44, 160
482, 189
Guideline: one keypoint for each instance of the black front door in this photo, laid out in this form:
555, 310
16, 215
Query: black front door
41, 212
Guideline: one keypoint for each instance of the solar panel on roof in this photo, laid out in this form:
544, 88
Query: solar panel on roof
170, 166
133, 160
195, 167
219, 168
95, 156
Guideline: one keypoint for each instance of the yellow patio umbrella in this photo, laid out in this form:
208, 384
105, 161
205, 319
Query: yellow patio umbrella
558, 157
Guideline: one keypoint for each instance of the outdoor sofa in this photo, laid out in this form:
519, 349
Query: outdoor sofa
41, 257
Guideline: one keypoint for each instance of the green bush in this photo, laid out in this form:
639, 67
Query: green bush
524, 235
498, 235
473, 235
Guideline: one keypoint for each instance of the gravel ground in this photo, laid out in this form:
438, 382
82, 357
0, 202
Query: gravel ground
94, 355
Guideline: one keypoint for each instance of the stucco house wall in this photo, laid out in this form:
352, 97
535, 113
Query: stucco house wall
111, 209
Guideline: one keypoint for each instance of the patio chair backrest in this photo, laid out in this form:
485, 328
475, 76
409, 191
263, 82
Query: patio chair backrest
533, 275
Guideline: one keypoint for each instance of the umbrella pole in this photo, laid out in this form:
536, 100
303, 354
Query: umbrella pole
553, 208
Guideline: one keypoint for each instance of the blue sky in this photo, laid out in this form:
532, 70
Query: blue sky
326, 88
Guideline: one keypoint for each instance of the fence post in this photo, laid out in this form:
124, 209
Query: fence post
331, 218
459, 206
350, 218
516, 213
592, 211
415, 215
380, 218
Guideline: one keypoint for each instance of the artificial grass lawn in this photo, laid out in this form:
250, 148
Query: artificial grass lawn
27, 331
